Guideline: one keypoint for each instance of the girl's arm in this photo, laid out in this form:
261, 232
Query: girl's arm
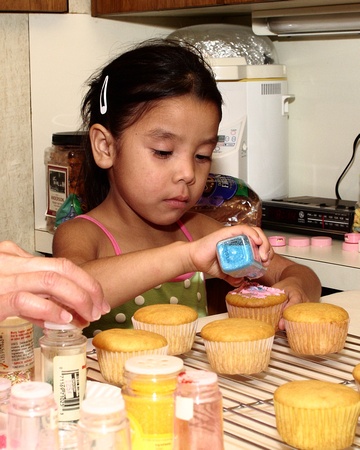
126, 276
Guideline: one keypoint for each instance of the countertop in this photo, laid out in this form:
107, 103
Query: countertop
249, 418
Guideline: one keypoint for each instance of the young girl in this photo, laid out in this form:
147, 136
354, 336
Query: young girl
153, 115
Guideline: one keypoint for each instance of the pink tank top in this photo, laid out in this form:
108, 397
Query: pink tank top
117, 249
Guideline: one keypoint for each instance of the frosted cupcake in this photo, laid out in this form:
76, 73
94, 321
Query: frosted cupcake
238, 346
316, 328
316, 415
115, 346
254, 301
176, 322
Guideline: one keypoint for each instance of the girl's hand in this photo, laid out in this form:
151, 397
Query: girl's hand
203, 251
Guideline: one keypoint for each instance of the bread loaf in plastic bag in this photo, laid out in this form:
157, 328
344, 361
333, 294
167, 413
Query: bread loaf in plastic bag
230, 201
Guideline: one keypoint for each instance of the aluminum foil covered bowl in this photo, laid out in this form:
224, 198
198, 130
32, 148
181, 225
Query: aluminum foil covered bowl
227, 41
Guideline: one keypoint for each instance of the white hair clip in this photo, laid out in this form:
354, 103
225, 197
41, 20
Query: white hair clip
103, 99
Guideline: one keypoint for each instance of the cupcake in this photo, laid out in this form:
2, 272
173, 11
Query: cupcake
356, 375
238, 346
316, 328
316, 415
115, 346
176, 322
254, 301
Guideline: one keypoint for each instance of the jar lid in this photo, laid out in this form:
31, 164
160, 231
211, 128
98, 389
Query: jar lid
154, 364
349, 247
352, 238
31, 390
198, 377
277, 241
321, 241
5, 384
299, 241
105, 405
68, 138
58, 326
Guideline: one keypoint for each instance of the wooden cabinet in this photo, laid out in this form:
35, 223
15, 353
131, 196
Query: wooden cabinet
34, 6
122, 7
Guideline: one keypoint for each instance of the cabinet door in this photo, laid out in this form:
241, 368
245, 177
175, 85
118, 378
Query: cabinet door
33, 5
100, 7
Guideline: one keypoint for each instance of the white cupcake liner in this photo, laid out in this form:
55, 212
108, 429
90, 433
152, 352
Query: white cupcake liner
180, 337
316, 338
269, 314
313, 428
112, 363
239, 357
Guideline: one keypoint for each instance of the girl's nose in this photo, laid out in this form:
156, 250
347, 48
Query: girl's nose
185, 171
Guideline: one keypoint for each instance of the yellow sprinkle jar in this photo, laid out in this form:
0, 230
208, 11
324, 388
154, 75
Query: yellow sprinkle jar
150, 382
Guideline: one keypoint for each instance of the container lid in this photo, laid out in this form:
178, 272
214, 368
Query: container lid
154, 364
349, 247
101, 406
299, 241
57, 326
277, 241
198, 377
353, 238
321, 241
13, 321
5, 384
31, 390
68, 138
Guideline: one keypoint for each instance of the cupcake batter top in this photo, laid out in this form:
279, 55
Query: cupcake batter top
315, 313
237, 330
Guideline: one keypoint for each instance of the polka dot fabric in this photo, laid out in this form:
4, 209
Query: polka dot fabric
190, 292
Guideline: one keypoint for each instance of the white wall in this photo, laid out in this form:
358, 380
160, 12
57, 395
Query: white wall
324, 75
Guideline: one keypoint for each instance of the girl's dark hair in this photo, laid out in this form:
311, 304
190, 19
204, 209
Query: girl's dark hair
154, 70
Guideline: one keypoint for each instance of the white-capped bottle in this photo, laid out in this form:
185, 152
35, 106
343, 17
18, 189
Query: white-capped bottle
5, 389
63, 357
103, 425
198, 418
32, 417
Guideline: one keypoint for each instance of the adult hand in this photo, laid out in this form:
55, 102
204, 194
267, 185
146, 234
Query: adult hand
47, 289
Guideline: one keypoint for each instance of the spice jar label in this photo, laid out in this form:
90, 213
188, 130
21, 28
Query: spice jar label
184, 408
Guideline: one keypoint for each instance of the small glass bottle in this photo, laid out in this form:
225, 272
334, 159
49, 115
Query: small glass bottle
63, 363
32, 417
17, 358
198, 419
150, 382
5, 388
103, 425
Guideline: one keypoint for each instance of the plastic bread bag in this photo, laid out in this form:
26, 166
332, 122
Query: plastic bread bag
69, 209
230, 201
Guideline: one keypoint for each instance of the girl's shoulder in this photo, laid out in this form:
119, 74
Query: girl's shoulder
200, 225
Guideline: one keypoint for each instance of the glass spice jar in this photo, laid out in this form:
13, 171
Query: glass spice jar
63, 364
103, 425
5, 389
150, 382
198, 417
32, 417
63, 162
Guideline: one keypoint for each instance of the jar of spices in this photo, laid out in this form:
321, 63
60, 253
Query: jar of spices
150, 382
17, 358
63, 162
32, 417
103, 425
198, 418
5, 389
63, 364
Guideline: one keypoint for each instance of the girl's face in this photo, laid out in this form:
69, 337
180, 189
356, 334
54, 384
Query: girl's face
163, 159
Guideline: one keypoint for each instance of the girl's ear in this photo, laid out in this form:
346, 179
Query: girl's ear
102, 144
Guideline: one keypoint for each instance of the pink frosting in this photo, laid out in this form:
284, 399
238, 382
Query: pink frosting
255, 290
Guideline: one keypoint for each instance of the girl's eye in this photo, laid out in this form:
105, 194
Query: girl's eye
162, 153
204, 158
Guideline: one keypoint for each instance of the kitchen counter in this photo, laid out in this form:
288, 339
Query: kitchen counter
249, 418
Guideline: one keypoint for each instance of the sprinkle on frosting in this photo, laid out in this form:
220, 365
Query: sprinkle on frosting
255, 290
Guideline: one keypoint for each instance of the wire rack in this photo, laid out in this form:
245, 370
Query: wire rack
249, 417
